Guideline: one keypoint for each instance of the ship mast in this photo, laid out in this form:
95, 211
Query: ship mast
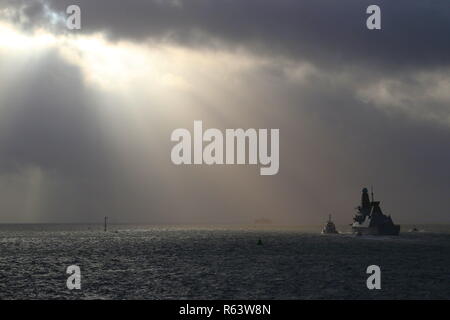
371, 192
106, 223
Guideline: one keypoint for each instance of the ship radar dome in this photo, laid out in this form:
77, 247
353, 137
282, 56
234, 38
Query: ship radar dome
364, 190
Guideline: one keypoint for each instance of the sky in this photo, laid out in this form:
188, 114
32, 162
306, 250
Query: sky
86, 115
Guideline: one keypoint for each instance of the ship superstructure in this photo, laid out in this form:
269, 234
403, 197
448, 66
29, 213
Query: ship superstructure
369, 218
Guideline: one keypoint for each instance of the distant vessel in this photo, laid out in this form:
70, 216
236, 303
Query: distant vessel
329, 228
263, 221
369, 218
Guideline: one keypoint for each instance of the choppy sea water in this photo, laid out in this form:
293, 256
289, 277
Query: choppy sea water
145, 262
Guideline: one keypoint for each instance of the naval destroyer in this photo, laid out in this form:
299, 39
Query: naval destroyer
369, 218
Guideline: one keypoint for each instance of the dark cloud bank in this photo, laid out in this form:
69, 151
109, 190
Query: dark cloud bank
332, 142
414, 32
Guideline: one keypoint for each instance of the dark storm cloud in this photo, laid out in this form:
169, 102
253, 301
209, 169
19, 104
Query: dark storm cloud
325, 31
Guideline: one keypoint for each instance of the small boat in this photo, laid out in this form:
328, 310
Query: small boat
329, 228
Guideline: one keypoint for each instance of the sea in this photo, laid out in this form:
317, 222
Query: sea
220, 262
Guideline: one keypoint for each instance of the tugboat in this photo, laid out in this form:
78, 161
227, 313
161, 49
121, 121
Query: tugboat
329, 228
369, 218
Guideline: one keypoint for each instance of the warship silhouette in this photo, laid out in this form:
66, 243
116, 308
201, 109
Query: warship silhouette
369, 218
329, 228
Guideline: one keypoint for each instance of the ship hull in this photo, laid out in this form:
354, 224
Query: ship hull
329, 232
386, 230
